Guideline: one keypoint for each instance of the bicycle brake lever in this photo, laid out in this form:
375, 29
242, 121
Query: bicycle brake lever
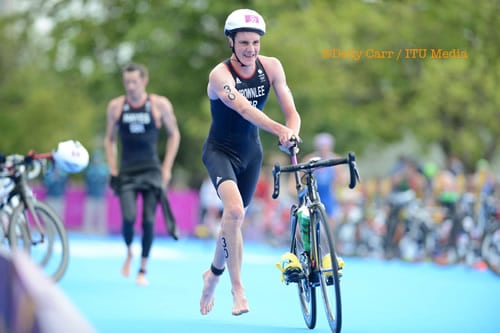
353, 171
291, 150
276, 177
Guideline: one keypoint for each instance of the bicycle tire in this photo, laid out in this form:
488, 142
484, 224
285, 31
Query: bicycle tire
19, 236
327, 269
391, 243
306, 291
442, 251
4, 224
490, 249
52, 255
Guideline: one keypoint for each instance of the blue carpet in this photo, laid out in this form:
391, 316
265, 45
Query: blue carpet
377, 296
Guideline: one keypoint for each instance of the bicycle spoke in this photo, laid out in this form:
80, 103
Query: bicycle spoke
47, 243
307, 293
328, 270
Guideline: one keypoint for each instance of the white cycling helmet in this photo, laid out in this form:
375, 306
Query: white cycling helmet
244, 20
71, 156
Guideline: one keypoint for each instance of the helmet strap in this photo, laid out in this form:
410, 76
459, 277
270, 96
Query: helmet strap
234, 52
242, 64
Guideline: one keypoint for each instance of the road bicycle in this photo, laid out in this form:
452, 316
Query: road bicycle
399, 203
490, 248
33, 225
359, 230
490, 242
313, 244
456, 238
6, 186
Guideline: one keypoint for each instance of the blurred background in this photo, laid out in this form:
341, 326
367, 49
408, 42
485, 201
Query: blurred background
61, 64
61, 60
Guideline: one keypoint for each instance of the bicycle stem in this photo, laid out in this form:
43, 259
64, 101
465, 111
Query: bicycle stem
294, 161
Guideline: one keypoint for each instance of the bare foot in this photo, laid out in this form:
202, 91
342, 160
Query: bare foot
141, 279
126, 266
240, 305
207, 297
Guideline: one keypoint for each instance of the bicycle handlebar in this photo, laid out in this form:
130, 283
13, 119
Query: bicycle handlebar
14, 162
312, 165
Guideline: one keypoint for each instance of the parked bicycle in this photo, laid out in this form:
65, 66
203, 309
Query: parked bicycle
490, 242
6, 186
29, 223
490, 248
312, 243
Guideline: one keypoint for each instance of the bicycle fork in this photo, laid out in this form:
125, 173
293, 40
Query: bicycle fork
27, 199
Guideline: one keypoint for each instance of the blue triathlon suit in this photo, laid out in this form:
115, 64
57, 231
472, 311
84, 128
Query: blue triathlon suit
140, 171
324, 181
232, 150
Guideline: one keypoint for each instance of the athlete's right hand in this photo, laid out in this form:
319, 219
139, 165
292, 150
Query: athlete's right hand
289, 143
288, 138
114, 183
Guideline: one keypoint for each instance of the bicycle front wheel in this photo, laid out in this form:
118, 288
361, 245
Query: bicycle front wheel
46, 243
327, 268
306, 288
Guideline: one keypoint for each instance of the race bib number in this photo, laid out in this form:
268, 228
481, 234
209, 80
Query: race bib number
136, 128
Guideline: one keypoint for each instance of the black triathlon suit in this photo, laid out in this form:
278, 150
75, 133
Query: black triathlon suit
232, 150
140, 170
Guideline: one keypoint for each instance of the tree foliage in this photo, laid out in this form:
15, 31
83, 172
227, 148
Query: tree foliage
57, 82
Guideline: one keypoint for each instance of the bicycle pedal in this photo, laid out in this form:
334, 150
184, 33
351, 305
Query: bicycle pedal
329, 280
291, 270
293, 275
327, 263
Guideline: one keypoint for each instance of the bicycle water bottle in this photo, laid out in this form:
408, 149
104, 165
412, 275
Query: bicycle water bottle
304, 223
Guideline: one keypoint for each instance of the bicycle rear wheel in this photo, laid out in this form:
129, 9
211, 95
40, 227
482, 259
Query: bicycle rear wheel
306, 290
327, 268
47, 246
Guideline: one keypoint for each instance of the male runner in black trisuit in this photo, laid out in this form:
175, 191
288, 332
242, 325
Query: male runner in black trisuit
137, 117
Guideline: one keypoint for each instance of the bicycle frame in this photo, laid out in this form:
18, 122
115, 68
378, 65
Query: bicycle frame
309, 191
308, 195
28, 199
